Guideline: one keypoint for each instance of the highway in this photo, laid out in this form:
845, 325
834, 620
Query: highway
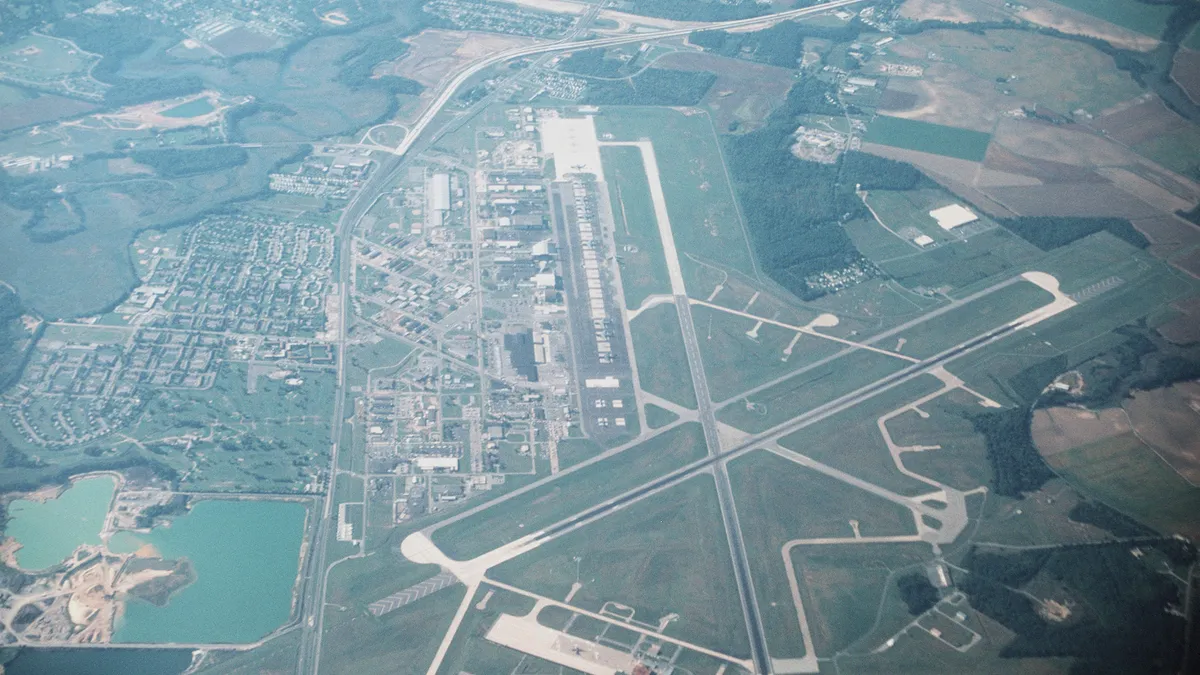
310, 600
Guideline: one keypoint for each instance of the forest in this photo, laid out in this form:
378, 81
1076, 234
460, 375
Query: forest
1048, 233
780, 45
1118, 622
1017, 468
653, 86
794, 209
176, 162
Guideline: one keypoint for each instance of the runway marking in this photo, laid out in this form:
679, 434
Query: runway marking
412, 594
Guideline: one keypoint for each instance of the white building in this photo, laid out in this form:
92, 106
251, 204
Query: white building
950, 217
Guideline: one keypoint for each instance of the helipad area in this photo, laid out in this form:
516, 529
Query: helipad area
950, 217
572, 141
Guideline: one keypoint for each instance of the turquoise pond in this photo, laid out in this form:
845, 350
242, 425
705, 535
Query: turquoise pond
49, 531
245, 554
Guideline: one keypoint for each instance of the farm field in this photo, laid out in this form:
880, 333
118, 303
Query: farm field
1146, 19
661, 359
683, 568
546, 505
780, 501
937, 139
1126, 473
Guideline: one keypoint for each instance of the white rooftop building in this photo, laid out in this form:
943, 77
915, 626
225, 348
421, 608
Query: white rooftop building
950, 217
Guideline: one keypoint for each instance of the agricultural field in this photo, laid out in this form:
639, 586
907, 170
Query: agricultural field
1149, 20
937, 139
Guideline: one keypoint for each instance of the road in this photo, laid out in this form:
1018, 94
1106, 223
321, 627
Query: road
315, 573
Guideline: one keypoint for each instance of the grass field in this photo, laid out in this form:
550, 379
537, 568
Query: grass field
83, 334
961, 461
1126, 474
736, 362
665, 554
937, 139
357, 643
780, 501
550, 503
968, 321
471, 652
704, 216
657, 417
1064, 76
807, 390
661, 360
850, 441
842, 587
640, 251
956, 264
1144, 18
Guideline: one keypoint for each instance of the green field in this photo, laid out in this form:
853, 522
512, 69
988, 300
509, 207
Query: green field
196, 108
704, 216
1125, 473
661, 360
657, 417
665, 554
779, 501
471, 652
549, 503
961, 460
84, 334
850, 440
937, 139
843, 586
968, 321
1145, 18
1055, 74
639, 246
736, 362
807, 390
955, 264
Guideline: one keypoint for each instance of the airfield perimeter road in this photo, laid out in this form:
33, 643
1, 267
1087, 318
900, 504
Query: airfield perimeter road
314, 578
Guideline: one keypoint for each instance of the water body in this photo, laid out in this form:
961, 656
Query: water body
99, 662
49, 531
200, 106
245, 554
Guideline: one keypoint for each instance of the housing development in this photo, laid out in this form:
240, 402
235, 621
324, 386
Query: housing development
537, 337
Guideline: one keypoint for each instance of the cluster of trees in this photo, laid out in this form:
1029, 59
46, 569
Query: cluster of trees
1118, 624
917, 593
176, 505
235, 116
594, 63
1048, 233
793, 208
12, 338
653, 86
780, 45
358, 64
120, 37
1110, 520
1016, 466
177, 162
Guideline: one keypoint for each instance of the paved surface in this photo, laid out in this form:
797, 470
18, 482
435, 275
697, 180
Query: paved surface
412, 594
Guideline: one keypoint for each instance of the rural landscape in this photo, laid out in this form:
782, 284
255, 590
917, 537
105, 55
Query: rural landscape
601, 337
